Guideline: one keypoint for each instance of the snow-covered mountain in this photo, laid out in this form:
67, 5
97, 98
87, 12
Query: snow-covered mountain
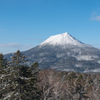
63, 39
64, 52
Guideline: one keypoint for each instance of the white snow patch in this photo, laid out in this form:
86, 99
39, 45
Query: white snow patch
42, 60
98, 61
44, 53
60, 55
94, 56
78, 65
86, 57
95, 70
41, 54
68, 70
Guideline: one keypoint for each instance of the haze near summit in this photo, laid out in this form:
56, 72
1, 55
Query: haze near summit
25, 24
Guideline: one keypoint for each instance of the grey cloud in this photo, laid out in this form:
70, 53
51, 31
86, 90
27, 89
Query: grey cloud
96, 18
13, 45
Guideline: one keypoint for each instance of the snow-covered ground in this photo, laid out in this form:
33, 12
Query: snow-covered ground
95, 70
87, 57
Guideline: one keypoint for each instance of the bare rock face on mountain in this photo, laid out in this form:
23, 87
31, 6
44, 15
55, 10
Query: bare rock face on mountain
64, 52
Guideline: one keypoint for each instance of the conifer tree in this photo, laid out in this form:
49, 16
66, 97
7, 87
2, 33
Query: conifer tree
15, 79
23, 79
30, 89
3, 63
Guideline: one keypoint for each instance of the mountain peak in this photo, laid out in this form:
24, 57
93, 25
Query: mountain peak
66, 34
63, 39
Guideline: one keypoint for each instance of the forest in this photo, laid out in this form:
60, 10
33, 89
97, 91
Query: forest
21, 82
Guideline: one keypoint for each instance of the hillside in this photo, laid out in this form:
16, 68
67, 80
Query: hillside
65, 53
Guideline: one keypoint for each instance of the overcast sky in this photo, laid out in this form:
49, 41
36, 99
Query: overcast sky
26, 23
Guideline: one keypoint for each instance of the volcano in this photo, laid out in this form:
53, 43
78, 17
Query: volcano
63, 52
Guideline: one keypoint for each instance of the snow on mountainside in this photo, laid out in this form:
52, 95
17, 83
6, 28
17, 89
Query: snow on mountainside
63, 39
64, 52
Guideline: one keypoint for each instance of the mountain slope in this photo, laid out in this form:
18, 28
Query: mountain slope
64, 52
63, 39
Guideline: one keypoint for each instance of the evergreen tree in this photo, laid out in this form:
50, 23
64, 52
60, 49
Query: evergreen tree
15, 79
29, 88
23, 79
3, 63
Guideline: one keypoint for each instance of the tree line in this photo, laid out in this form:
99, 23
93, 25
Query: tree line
21, 82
